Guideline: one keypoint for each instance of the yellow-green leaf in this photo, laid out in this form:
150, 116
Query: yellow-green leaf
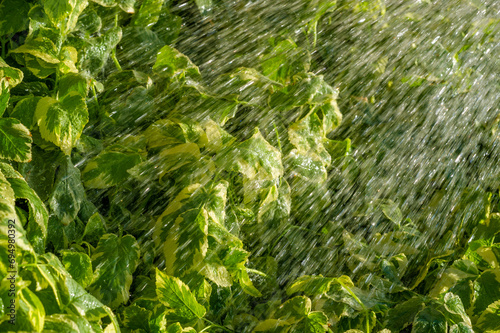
173, 293
15, 140
62, 121
114, 261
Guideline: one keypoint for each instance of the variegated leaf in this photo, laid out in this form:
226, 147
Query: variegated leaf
62, 121
173, 293
114, 261
15, 140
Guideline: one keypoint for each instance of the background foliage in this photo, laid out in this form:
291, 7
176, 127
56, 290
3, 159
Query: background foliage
155, 191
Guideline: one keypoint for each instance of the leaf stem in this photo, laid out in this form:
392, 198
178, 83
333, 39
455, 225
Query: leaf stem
250, 270
113, 52
117, 64
94, 93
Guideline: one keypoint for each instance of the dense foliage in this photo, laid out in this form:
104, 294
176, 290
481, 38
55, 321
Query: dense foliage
152, 195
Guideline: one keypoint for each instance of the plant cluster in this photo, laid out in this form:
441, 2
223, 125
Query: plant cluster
151, 196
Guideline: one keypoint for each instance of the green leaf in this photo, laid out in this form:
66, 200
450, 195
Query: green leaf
182, 230
315, 322
125, 5
68, 193
180, 156
274, 210
41, 48
72, 82
109, 168
9, 78
246, 284
136, 318
164, 132
284, 61
173, 63
24, 111
67, 293
177, 328
12, 21
461, 328
10, 75
430, 320
307, 166
39, 67
4, 97
489, 319
15, 140
94, 229
31, 307
69, 58
310, 285
455, 309
97, 50
176, 295
343, 290
391, 211
149, 13
487, 290
62, 121
64, 13
215, 271
294, 309
256, 158
115, 257
79, 266
307, 135
89, 21
38, 215
186, 244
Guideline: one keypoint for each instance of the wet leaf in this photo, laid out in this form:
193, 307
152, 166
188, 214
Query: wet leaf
173, 293
62, 121
109, 168
79, 266
68, 194
115, 257
15, 140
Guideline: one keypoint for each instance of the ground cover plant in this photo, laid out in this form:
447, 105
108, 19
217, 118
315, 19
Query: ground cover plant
140, 192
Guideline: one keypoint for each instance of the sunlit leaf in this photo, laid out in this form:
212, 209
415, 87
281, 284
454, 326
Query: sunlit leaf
256, 158
176, 295
15, 140
149, 13
310, 285
173, 63
62, 121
